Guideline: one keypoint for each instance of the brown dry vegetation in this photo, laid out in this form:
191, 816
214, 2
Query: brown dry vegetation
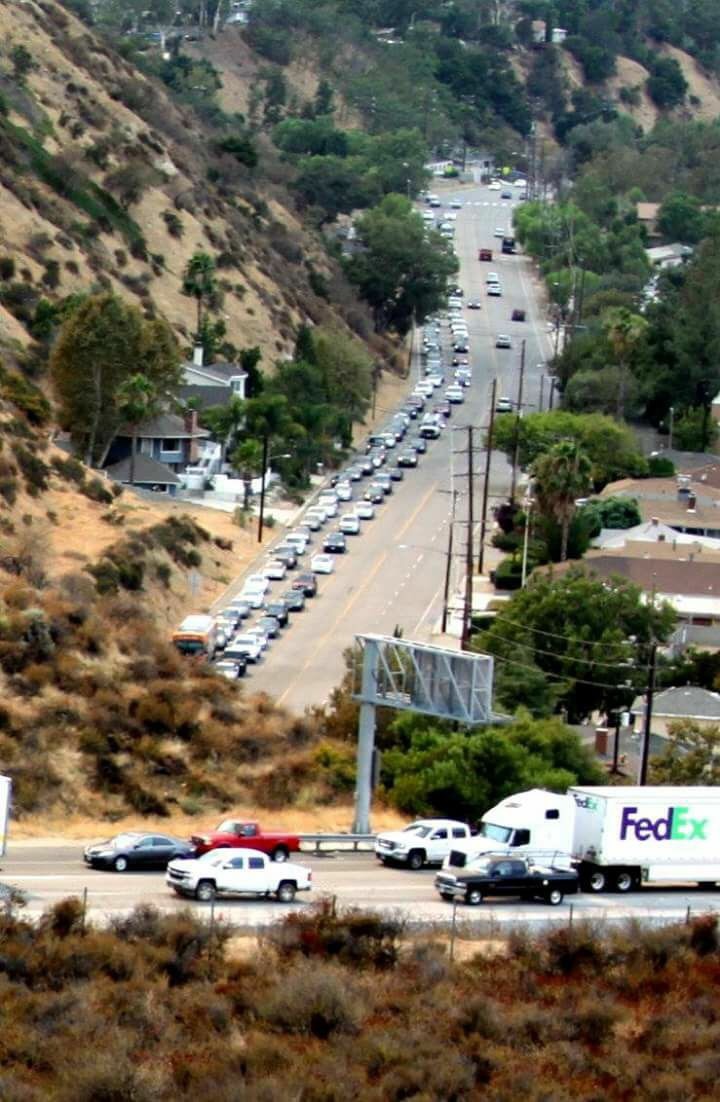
337, 1007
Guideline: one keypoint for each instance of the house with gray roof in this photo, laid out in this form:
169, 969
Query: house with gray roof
683, 702
206, 385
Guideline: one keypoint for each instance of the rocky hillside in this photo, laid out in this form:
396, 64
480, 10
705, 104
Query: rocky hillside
106, 182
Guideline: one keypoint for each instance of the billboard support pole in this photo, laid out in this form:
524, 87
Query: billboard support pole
366, 741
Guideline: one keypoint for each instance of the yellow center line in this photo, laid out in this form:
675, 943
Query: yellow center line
358, 593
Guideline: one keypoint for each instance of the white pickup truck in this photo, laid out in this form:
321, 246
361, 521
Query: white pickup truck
424, 842
227, 872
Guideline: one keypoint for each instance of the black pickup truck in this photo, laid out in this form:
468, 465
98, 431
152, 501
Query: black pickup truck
507, 876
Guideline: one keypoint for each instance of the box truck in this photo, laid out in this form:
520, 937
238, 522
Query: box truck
617, 838
197, 635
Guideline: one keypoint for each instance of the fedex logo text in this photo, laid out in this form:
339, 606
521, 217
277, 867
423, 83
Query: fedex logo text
677, 825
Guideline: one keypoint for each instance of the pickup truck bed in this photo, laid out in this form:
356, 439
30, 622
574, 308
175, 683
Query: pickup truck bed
507, 877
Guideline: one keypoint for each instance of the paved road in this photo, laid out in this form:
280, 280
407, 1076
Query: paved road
392, 575
51, 872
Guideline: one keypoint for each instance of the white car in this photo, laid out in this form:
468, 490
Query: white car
455, 204
245, 646
350, 524
494, 289
499, 232
229, 669
365, 510
344, 491
256, 581
275, 570
495, 186
504, 405
502, 340
233, 872
436, 380
520, 183
424, 842
455, 395
313, 521
329, 505
492, 277
322, 564
254, 596
298, 541
261, 635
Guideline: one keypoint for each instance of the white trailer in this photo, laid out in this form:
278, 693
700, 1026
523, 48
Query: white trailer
618, 838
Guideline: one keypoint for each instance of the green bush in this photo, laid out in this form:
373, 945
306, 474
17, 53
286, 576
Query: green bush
106, 576
71, 469
508, 575
25, 396
35, 471
97, 490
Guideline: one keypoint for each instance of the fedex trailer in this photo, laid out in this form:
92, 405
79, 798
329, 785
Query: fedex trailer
618, 838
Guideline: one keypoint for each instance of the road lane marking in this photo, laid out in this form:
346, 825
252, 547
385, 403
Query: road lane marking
413, 516
336, 622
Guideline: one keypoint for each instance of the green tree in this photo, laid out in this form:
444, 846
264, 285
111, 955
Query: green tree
666, 84
347, 370
199, 281
691, 756
580, 639
624, 331
681, 218
611, 447
611, 512
100, 345
137, 400
435, 771
246, 458
401, 271
22, 63
561, 476
695, 430
249, 361
226, 422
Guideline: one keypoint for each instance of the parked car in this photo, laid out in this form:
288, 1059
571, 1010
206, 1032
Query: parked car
228, 873
306, 583
502, 340
231, 668
294, 599
245, 646
502, 876
424, 842
504, 405
322, 564
506, 195
136, 850
244, 834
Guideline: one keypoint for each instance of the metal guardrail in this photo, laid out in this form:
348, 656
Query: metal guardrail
338, 841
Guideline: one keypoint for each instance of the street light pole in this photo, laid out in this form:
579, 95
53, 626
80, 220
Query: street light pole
528, 503
518, 415
645, 746
467, 609
448, 563
486, 484
261, 518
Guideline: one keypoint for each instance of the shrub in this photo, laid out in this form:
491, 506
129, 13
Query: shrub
355, 937
97, 490
174, 223
25, 396
70, 469
313, 1000
106, 576
7, 267
35, 471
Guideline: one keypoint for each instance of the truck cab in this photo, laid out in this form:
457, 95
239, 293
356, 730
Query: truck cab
424, 842
534, 823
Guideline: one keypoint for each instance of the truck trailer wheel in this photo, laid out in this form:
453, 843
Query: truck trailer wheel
286, 891
625, 880
280, 853
554, 897
205, 891
473, 897
595, 880
416, 859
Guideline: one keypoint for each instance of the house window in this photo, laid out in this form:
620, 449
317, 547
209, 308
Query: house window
170, 446
237, 384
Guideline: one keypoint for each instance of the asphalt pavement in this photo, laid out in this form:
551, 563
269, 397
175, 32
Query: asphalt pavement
49, 872
392, 576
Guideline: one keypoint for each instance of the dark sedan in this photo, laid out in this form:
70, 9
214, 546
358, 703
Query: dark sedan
395, 473
418, 444
133, 850
407, 459
305, 584
335, 544
294, 600
270, 626
278, 609
375, 494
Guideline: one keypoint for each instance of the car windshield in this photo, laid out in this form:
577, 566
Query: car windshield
419, 829
497, 833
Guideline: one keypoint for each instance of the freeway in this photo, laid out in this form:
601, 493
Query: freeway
392, 576
52, 871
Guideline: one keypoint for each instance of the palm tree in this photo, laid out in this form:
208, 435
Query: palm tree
624, 330
562, 475
137, 400
199, 281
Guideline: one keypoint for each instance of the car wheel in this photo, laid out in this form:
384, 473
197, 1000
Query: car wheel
554, 897
416, 859
280, 853
473, 897
596, 881
120, 864
624, 881
205, 891
286, 891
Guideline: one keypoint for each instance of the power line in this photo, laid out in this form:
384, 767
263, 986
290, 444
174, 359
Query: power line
554, 634
560, 677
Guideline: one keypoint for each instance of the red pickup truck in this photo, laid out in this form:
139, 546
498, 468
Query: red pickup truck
232, 833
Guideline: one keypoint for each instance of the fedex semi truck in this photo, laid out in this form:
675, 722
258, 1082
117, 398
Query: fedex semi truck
617, 838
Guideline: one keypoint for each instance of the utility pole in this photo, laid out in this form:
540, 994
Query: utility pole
645, 746
552, 392
518, 415
261, 518
486, 484
448, 563
542, 394
467, 609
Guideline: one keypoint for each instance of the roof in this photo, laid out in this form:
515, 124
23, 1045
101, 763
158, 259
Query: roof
165, 425
221, 373
659, 498
685, 701
147, 471
651, 531
210, 395
647, 212
664, 577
